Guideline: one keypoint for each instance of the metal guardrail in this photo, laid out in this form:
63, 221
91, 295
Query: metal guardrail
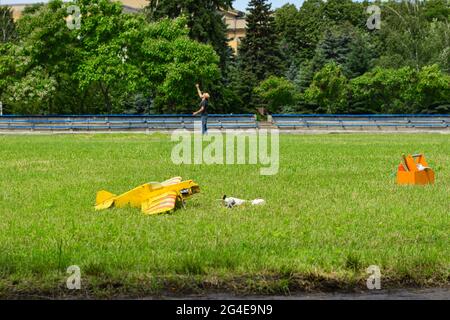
123, 122
219, 121
381, 121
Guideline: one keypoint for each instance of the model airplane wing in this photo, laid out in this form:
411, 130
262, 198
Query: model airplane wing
160, 204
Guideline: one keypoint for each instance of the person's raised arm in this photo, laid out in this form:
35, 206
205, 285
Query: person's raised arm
200, 94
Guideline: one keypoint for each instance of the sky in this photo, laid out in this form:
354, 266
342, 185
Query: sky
238, 4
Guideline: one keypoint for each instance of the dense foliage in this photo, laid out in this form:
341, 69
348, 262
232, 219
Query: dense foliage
339, 65
114, 63
319, 58
204, 20
7, 26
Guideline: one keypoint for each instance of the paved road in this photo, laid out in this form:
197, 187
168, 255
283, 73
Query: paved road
402, 294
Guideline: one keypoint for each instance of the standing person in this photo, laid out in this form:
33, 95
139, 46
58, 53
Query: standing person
203, 108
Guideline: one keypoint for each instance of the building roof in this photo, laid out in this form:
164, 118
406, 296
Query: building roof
235, 13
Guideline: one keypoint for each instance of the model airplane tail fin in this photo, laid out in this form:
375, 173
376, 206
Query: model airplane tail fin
103, 195
104, 200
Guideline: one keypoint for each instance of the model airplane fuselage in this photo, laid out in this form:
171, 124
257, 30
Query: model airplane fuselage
151, 198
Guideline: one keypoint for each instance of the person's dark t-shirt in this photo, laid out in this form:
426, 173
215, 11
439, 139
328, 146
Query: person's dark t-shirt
204, 104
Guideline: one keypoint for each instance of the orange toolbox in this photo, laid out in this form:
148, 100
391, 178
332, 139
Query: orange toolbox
415, 171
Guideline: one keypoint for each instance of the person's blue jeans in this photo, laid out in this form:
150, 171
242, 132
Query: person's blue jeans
204, 123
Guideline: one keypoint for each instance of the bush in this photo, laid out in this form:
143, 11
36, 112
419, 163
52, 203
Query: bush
276, 92
400, 90
329, 89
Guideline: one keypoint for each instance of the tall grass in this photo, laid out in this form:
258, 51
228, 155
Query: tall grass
332, 211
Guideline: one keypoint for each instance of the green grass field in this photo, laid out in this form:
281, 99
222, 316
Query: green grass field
332, 211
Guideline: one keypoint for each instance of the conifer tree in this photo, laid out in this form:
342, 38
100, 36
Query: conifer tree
7, 25
259, 51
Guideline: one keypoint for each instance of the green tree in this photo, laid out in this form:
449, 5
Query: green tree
8, 61
329, 89
114, 58
287, 28
363, 52
7, 25
349, 47
385, 90
332, 31
276, 92
173, 63
338, 12
305, 75
432, 90
335, 47
242, 82
310, 28
403, 90
206, 25
125, 55
259, 54
43, 62
315, 17
109, 43
259, 51
33, 92
437, 10
204, 21
32, 8
410, 39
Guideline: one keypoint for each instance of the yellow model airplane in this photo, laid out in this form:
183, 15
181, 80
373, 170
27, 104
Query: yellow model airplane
152, 198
